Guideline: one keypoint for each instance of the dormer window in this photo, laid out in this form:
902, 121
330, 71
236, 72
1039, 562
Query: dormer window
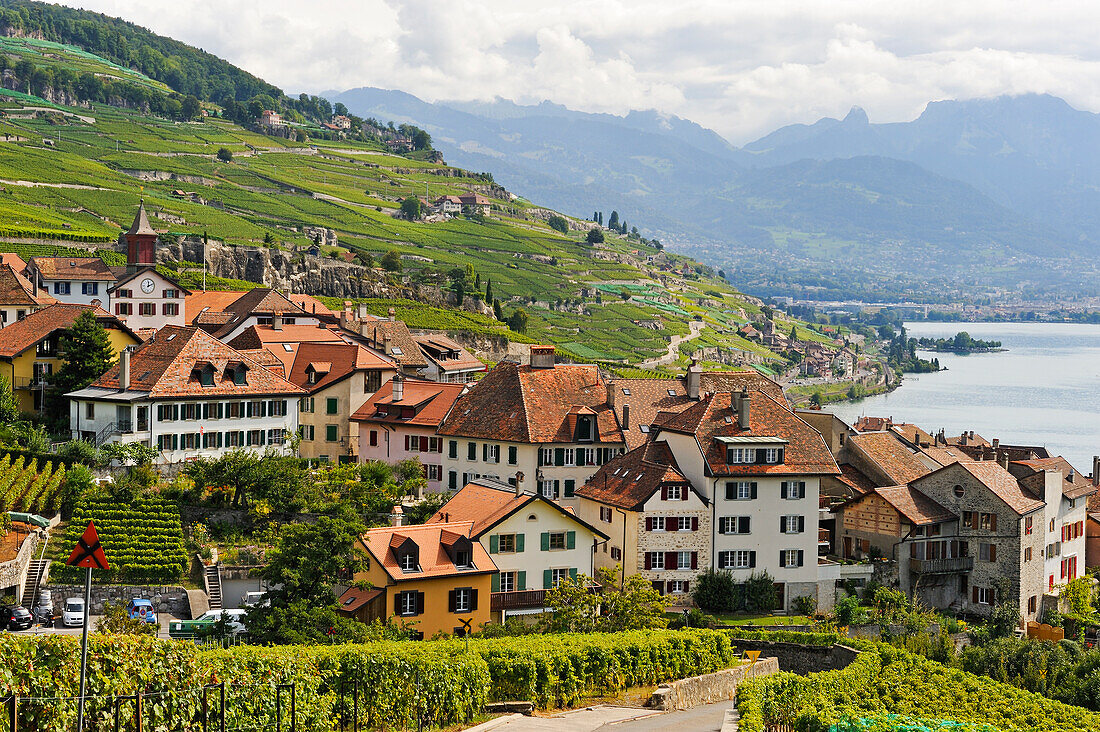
736, 455
408, 562
584, 428
463, 558
236, 372
311, 377
203, 373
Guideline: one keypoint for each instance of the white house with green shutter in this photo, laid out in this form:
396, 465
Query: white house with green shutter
534, 541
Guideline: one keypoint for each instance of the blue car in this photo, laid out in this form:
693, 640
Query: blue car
141, 609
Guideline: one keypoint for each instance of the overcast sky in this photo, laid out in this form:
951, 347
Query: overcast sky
739, 67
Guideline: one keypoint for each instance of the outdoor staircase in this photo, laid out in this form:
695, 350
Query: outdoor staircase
212, 578
37, 572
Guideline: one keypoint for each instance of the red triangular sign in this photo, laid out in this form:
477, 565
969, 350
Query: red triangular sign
88, 552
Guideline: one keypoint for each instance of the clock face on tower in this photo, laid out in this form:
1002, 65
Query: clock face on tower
147, 285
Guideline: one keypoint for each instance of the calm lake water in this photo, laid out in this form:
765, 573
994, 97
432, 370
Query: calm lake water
1045, 390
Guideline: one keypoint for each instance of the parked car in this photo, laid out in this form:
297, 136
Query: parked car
73, 613
204, 624
141, 609
15, 617
249, 599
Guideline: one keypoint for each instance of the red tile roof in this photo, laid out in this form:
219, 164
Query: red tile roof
487, 505
886, 451
434, 560
647, 398
332, 362
918, 508
163, 367
431, 346
628, 480
857, 481
376, 332
524, 404
1076, 487
15, 289
805, 451
37, 326
999, 481
431, 400
73, 268
354, 598
730, 381
14, 260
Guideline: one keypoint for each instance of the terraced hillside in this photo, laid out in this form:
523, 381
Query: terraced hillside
76, 174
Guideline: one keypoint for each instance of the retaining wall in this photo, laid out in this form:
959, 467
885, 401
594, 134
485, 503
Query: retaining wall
172, 600
709, 688
800, 659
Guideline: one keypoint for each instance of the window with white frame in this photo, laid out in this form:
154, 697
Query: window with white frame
734, 524
679, 587
684, 523
408, 562
605, 514
546, 456
983, 595
742, 559
463, 597
407, 603
656, 560
683, 560
557, 575
739, 490
658, 523
673, 493
507, 581
570, 456
737, 455
791, 524
790, 558
546, 488
586, 456
771, 455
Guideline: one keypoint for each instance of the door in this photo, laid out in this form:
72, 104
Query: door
122, 418
848, 547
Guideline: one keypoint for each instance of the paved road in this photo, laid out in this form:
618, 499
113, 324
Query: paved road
625, 719
61, 630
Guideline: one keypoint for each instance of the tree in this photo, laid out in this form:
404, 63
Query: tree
657, 245
760, 595
517, 321
498, 312
613, 221
391, 261
558, 223
633, 604
88, 353
410, 208
715, 591
477, 282
116, 621
225, 155
794, 332
340, 110
489, 290
594, 236
421, 140
460, 291
190, 108
9, 406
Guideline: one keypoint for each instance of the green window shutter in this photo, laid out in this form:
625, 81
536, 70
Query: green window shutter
570, 486
572, 573
570, 539
559, 456
495, 583
521, 579
512, 455
546, 541
519, 542
494, 544
547, 579
331, 405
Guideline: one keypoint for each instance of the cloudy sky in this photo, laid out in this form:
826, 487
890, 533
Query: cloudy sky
739, 67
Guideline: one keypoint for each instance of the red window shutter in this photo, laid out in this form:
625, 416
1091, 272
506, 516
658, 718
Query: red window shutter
684, 490
664, 493
406, 443
695, 560
993, 552
975, 595
648, 527
1062, 568
694, 523
649, 560
668, 587
912, 551
993, 522
423, 444
670, 560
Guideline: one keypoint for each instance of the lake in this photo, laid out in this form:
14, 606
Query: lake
1045, 390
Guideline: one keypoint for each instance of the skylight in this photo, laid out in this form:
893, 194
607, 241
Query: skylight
644, 427
172, 336
287, 347
626, 391
729, 419
672, 392
397, 351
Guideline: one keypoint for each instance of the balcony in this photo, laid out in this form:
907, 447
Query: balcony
941, 566
34, 382
526, 599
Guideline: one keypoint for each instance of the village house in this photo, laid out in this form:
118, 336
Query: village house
475, 203
549, 421
337, 379
72, 280
447, 360
534, 542
434, 577
225, 315
451, 205
188, 395
30, 352
18, 297
659, 522
271, 119
388, 336
147, 300
399, 422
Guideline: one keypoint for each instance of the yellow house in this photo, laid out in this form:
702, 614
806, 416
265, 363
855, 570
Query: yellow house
29, 348
432, 576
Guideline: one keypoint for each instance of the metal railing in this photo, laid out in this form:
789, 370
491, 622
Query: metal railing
942, 566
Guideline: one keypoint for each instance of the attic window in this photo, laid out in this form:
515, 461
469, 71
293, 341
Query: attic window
204, 374
729, 419
644, 428
397, 351
672, 392
287, 347
616, 471
532, 517
408, 562
626, 391
144, 375
172, 336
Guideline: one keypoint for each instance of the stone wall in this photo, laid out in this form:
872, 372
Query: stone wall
800, 659
709, 688
13, 574
172, 600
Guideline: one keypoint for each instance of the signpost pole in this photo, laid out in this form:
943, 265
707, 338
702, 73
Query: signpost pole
84, 648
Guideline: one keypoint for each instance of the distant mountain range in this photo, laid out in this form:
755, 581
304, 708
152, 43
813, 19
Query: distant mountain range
980, 198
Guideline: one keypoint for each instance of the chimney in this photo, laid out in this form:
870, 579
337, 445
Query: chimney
387, 343
694, 379
743, 410
519, 483
626, 417
1071, 475
398, 387
542, 357
962, 439
397, 516
996, 442
1096, 469
124, 370
392, 312
345, 320
611, 393
1004, 461
277, 321
972, 434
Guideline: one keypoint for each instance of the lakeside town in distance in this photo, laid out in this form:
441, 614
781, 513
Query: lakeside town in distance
469, 400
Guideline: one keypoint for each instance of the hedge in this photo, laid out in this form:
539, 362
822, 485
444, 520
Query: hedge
441, 682
887, 688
